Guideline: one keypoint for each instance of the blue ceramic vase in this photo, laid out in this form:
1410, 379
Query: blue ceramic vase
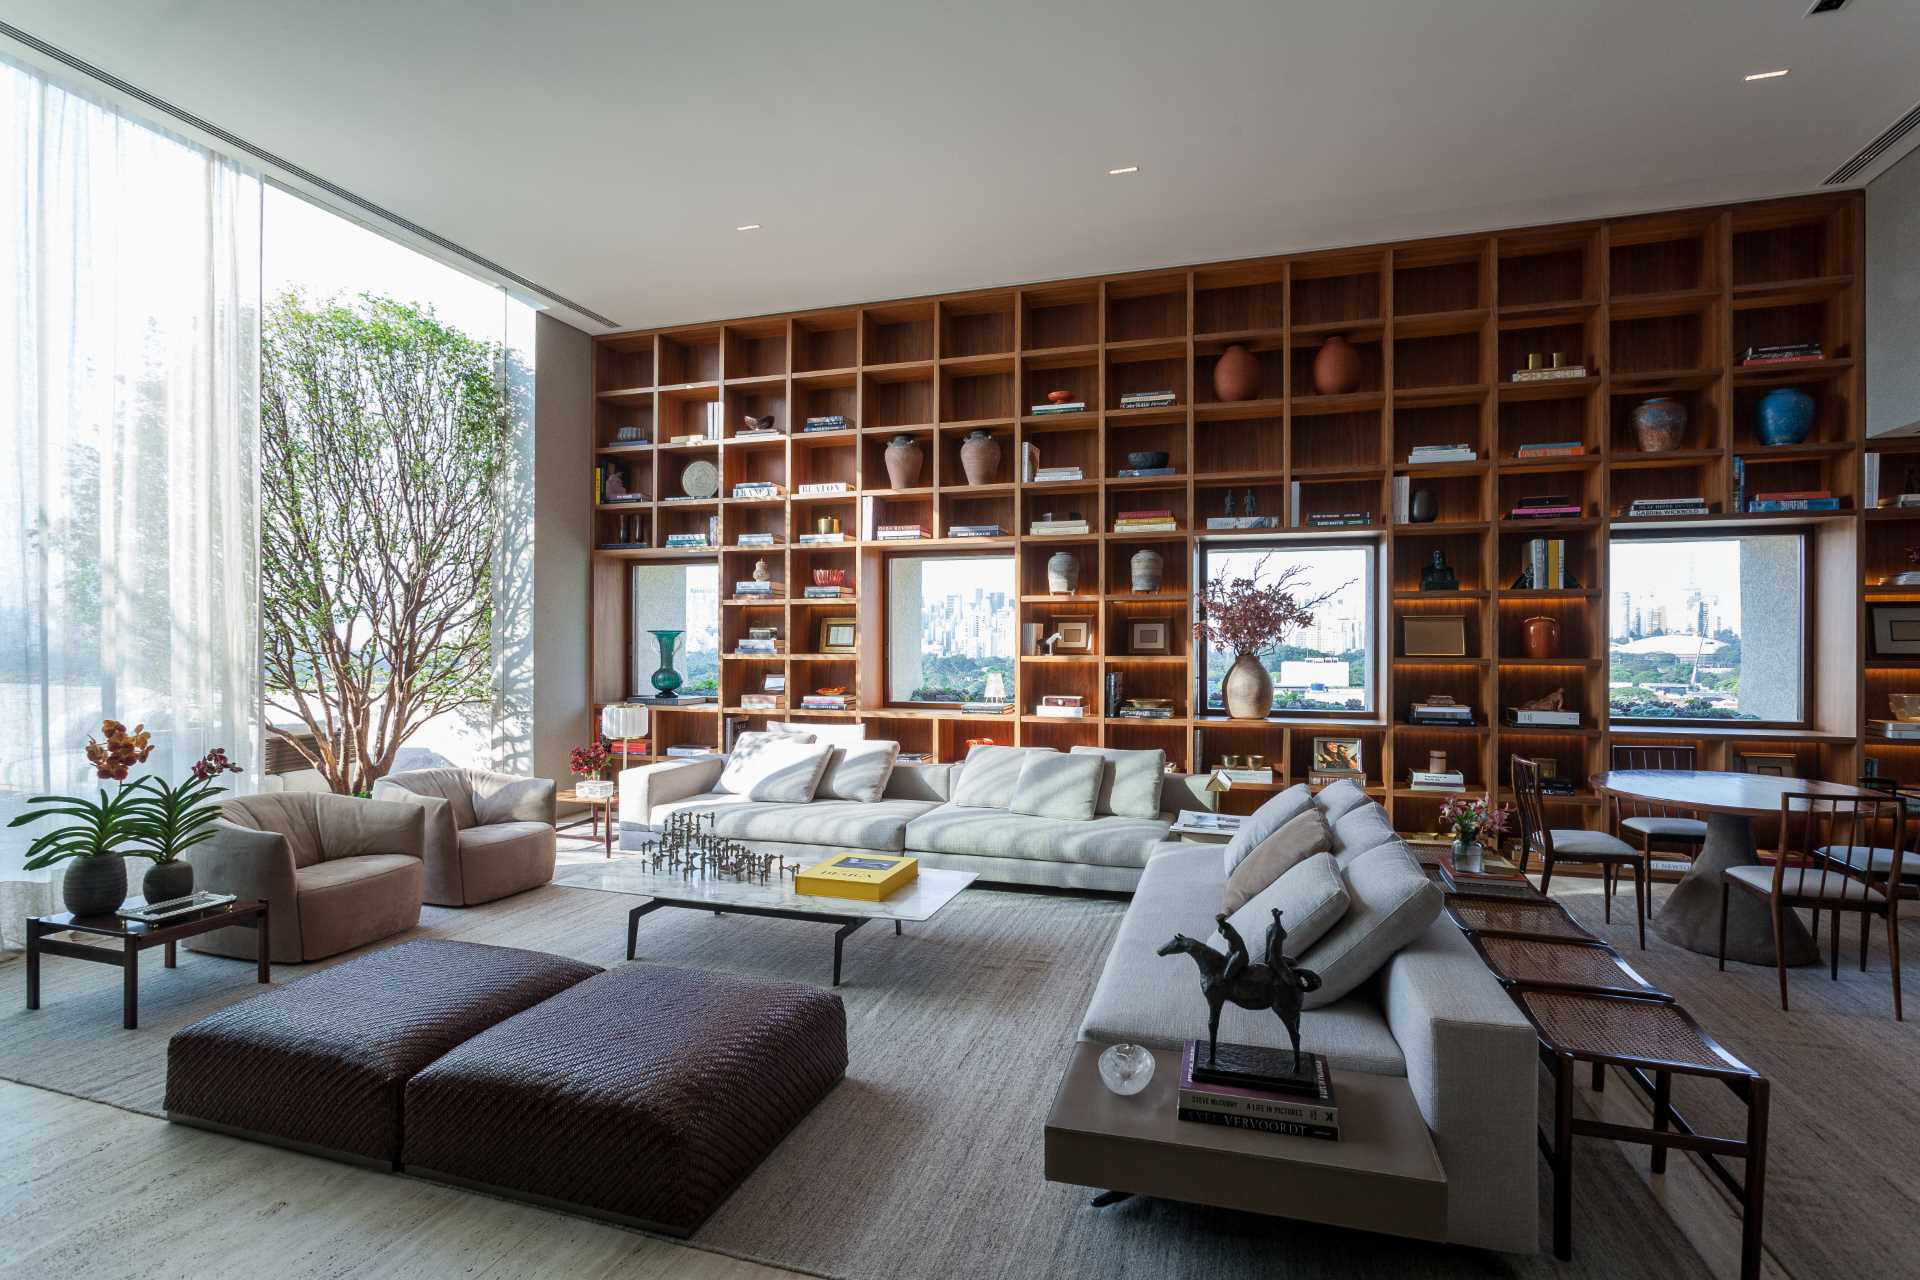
1785, 416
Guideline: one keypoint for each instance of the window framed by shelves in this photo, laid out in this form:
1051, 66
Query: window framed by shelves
951, 627
1330, 668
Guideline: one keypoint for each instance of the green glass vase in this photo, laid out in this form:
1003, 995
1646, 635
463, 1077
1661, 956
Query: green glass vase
666, 681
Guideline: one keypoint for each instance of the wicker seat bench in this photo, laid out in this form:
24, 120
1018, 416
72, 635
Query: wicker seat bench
644, 1095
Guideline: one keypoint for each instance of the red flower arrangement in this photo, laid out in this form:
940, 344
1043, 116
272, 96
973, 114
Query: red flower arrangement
591, 761
1242, 615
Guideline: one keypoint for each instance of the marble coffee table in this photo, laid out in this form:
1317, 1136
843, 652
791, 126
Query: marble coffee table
931, 890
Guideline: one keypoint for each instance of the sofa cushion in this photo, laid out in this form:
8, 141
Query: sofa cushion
1337, 798
505, 858
996, 833
1130, 782
771, 769
858, 771
989, 775
1359, 829
348, 902
1155, 1000
1052, 785
1299, 839
840, 735
288, 814
880, 825
1391, 902
1311, 898
450, 785
1277, 812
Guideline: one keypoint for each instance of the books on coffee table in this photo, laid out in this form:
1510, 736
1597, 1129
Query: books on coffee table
1249, 1087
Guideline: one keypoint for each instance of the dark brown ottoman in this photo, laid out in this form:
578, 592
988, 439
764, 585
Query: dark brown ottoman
322, 1063
645, 1095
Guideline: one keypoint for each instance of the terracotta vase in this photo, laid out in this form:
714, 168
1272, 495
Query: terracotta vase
1658, 424
904, 458
1540, 636
980, 458
1236, 375
1063, 572
1248, 689
1147, 566
1336, 367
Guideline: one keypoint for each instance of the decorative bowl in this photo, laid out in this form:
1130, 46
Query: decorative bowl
1060, 396
1147, 459
829, 577
1905, 706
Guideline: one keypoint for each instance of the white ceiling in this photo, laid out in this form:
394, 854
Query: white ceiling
607, 150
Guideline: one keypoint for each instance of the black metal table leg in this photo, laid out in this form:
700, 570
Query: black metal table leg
896, 928
1105, 1198
33, 963
263, 946
1662, 1105
130, 986
1755, 1183
633, 922
840, 936
1563, 1157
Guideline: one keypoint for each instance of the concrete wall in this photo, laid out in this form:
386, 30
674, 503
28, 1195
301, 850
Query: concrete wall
1893, 297
562, 551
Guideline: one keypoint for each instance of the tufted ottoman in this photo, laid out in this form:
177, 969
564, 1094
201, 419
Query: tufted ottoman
645, 1094
322, 1063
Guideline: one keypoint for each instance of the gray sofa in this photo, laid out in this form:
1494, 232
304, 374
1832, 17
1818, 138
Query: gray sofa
489, 835
913, 815
1432, 1013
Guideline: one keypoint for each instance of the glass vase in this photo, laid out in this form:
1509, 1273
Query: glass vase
666, 681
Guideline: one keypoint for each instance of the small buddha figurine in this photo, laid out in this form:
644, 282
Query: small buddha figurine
1438, 576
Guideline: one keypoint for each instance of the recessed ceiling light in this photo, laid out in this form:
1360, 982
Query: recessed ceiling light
1768, 75
1114, 173
751, 226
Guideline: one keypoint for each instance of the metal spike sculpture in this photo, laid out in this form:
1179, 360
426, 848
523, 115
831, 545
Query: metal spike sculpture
1277, 984
688, 847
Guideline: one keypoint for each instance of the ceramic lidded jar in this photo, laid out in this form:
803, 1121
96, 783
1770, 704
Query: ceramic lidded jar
980, 458
1147, 567
1236, 374
1658, 424
1063, 572
1540, 635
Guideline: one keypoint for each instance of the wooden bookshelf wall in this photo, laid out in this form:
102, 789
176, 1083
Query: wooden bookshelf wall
1657, 305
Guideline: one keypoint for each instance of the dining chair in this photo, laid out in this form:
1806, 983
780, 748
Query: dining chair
1834, 856
1655, 826
1575, 844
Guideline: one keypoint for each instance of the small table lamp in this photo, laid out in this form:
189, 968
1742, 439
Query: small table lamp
622, 721
1218, 785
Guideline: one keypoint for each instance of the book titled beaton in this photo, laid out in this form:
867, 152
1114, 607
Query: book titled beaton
825, 486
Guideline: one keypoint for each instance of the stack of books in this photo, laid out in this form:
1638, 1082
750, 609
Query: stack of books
1795, 500
1146, 399
756, 489
1544, 565
1249, 775
755, 540
825, 486
1553, 506
1253, 1088
1440, 711
628, 746
1553, 449
1538, 717
691, 751
1695, 506
1053, 475
686, 540
1442, 780
985, 708
899, 532
758, 433
753, 588
1426, 453
827, 422
1062, 706
827, 593
835, 538
1554, 374
1064, 406
1148, 520
1116, 684
687, 439
1041, 527
1145, 709
1338, 519
1318, 778
975, 531
754, 646
761, 702
828, 702
1896, 730
1783, 353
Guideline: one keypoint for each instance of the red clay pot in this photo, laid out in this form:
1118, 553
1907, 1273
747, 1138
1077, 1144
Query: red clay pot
1336, 367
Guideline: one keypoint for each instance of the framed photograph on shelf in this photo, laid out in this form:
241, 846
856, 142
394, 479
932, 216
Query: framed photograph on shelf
1338, 755
839, 635
1438, 635
1150, 637
774, 684
1076, 634
1893, 630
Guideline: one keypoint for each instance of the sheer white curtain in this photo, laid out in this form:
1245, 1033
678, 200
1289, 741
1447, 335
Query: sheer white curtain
129, 313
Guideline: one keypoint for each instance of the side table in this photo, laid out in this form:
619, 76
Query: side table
136, 937
598, 807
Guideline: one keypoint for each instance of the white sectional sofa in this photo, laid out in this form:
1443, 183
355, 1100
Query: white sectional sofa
1431, 1013
916, 814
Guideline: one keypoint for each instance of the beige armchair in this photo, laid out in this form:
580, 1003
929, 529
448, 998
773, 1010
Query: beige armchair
337, 872
489, 835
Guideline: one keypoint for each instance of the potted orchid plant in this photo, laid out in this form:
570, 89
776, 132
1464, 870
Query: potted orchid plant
1246, 617
95, 844
1470, 818
172, 819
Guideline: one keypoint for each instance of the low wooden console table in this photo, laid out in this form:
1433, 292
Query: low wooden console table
1382, 1175
136, 937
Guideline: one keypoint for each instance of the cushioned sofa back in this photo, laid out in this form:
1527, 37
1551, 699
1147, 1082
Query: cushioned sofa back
931, 782
285, 813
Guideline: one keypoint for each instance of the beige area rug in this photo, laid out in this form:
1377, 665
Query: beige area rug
927, 1160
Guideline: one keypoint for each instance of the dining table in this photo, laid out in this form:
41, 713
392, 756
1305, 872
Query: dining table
1729, 802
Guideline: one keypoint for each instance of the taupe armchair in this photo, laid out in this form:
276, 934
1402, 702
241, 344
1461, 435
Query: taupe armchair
489, 835
337, 872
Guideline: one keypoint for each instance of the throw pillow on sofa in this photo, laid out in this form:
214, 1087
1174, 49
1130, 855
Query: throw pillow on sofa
1052, 785
1267, 819
859, 771
1299, 839
1361, 828
1391, 902
771, 768
1336, 799
989, 775
1312, 897
840, 735
1129, 781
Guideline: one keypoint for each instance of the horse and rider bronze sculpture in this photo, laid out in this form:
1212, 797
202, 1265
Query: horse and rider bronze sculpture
1278, 984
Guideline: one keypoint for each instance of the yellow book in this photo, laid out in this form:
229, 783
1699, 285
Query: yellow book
867, 876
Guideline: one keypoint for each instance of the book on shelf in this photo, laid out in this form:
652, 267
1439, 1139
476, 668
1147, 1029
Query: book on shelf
1116, 683
1146, 399
755, 540
832, 539
1317, 778
1048, 475
1061, 713
761, 702
1544, 562
757, 489
758, 648
824, 486
1550, 375
1065, 406
1554, 449
1789, 495
900, 532
1572, 511
984, 708
1135, 473
1256, 776
1897, 730
760, 433
826, 593
1129, 711
686, 540
826, 422
1338, 519
687, 439
1794, 504
629, 746
1538, 716
1782, 353
1669, 507
1441, 712
691, 751
1156, 526
1425, 453
1042, 527
1740, 482
1428, 780
976, 531
1242, 522
753, 587
827, 702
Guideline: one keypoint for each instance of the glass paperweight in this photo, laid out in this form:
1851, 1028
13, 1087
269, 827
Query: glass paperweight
1126, 1068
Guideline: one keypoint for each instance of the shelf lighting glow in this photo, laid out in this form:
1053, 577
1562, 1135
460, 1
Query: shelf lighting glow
1115, 173
751, 226
1768, 75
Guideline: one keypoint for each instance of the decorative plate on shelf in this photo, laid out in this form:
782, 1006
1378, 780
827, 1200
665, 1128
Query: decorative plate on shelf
701, 479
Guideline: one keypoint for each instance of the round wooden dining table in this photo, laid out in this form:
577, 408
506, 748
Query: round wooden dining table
1729, 802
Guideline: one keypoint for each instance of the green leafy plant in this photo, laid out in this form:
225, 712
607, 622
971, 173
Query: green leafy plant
101, 828
169, 820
